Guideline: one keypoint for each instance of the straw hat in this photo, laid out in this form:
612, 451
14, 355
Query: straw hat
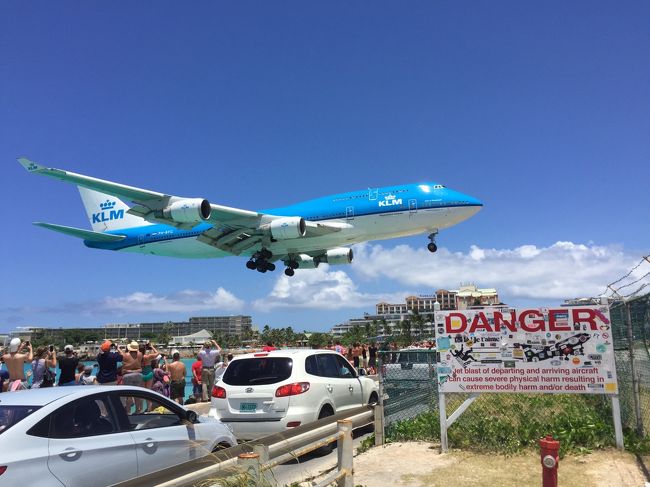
133, 346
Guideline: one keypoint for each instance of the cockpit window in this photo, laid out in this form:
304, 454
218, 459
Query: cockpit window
427, 188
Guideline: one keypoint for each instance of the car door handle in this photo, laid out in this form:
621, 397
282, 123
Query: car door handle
70, 454
149, 445
350, 388
329, 388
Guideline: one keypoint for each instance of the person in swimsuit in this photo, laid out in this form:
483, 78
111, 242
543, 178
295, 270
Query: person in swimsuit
44, 358
15, 362
132, 372
177, 374
149, 353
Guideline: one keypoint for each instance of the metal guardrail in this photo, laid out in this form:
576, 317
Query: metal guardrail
273, 449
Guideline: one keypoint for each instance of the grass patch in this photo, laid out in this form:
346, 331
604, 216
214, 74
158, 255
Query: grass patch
510, 423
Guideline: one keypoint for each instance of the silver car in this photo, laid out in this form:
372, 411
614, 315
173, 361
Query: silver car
98, 435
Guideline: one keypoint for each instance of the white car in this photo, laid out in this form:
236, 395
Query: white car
415, 364
94, 435
269, 392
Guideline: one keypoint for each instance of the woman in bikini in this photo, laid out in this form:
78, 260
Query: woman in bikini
149, 354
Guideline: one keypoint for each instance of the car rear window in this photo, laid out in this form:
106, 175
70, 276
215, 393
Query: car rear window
11, 415
415, 357
258, 371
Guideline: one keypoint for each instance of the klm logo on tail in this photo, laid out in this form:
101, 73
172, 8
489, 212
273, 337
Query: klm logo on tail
107, 213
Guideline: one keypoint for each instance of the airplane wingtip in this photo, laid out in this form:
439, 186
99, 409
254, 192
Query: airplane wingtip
28, 164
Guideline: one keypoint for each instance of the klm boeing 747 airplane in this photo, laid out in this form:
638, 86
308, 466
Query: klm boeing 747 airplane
300, 236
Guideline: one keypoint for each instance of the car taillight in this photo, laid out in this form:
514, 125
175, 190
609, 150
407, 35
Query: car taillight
292, 389
3, 469
218, 392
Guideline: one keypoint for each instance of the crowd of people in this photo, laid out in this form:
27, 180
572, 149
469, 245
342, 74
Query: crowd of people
141, 364
136, 364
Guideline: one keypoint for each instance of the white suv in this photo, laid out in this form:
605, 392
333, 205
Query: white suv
269, 392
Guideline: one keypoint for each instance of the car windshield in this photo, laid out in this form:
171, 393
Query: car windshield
11, 415
258, 371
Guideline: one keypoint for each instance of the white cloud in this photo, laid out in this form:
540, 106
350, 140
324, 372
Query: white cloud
320, 288
182, 301
562, 270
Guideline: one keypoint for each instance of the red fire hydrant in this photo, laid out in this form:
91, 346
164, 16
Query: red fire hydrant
549, 450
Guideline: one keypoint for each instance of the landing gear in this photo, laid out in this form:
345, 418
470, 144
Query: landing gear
259, 261
432, 246
292, 265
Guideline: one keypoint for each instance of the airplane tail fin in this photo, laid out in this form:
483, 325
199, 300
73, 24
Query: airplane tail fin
107, 212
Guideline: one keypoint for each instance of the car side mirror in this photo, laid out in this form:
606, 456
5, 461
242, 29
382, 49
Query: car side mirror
191, 416
362, 372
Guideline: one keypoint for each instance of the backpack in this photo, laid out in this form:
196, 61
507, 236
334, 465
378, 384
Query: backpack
48, 378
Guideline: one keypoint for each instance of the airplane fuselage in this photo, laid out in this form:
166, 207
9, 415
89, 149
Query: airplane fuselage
373, 214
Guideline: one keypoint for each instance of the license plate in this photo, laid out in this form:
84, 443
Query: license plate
247, 407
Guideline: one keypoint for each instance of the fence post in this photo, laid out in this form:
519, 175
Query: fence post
379, 425
635, 379
250, 463
345, 449
263, 458
379, 409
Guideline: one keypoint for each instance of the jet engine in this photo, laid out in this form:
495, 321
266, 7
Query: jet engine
338, 256
288, 228
193, 210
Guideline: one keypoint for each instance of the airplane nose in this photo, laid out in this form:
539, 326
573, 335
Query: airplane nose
474, 201
468, 200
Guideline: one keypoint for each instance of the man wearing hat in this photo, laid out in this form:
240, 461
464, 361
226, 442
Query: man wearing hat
209, 357
107, 358
68, 365
132, 365
16, 362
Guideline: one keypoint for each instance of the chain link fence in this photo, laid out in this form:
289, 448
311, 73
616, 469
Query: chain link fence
409, 383
631, 327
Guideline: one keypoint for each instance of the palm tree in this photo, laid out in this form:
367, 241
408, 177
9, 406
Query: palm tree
265, 335
405, 330
418, 321
385, 327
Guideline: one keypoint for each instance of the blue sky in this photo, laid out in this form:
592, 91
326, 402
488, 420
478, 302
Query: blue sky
540, 110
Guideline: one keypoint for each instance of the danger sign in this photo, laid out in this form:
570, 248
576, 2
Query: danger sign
561, 350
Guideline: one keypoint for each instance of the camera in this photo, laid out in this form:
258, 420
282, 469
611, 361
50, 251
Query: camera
51, 348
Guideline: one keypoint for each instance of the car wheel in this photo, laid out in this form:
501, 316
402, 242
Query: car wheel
374, 399
219, 447
325, 450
